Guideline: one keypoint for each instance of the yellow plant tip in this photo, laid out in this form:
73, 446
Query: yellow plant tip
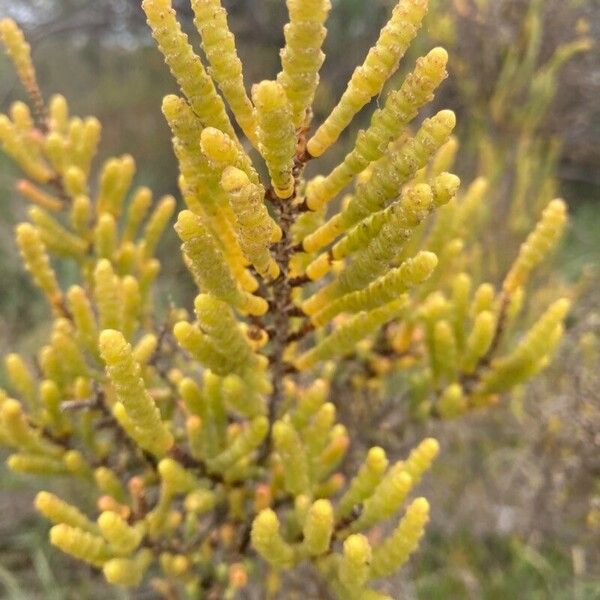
562, 307
201, 249
354, 566
386, 498
58, 112
76, 463
37, 261
80, 544
290, 448
217, 146
10, 409
140, 411
170, 105
396, 167
383, 290
124, 571
324, 235
367, 80
319, 267
218, 43
387, 125
452, 402
439, 55
233, 179
243, 444
531, 354
267, 540
186, 66
344, 339
19, 52
276, 134
59, 511
537, 245
110, 344
447, 118
276, 233
302, 57
356, 545
181, 329
35, 464
37, 196
318, 528
122, 537
21, 378
115, 179
484, 297
432, 446
254, 226
376, 456
421, 458
445, 187
55, 236
75, 182
420, 505
273, 270
21, 115
397, 548
479, 340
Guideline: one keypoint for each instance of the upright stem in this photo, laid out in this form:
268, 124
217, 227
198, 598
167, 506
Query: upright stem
282, 292
281, 305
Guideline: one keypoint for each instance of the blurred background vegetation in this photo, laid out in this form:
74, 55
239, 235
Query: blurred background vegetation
516, 494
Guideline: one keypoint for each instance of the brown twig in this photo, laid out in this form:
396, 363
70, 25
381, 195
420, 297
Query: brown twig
303, 207
300, 280
294, 311
281, 306
307, 328
500, 326
59, 189
281, 300
94, 402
